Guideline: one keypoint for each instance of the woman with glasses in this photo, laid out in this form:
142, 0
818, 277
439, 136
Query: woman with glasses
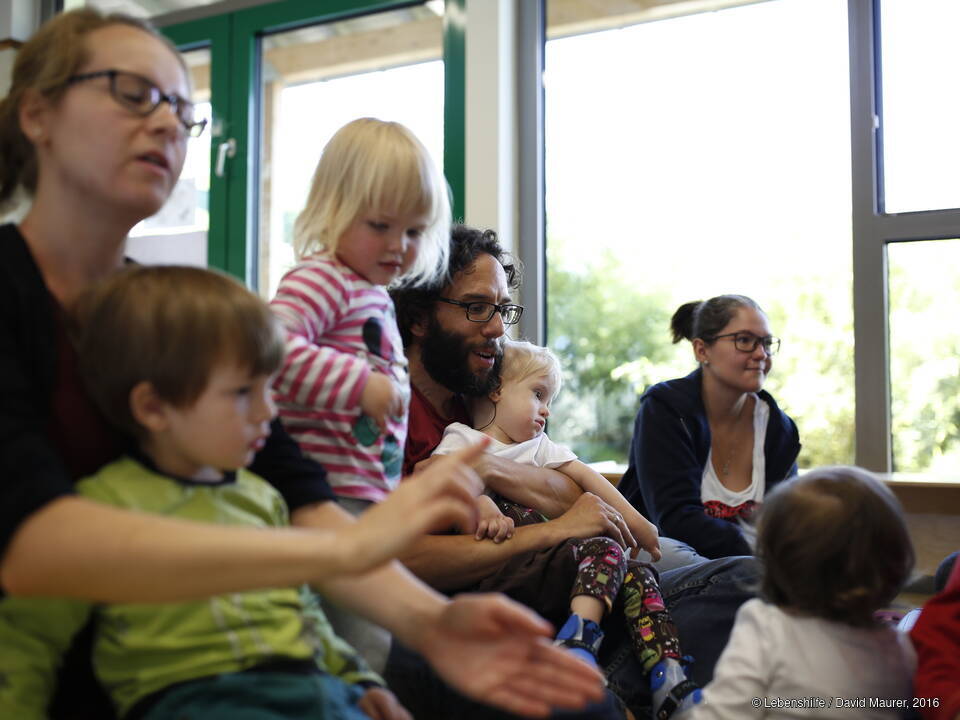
94, 130
707, 447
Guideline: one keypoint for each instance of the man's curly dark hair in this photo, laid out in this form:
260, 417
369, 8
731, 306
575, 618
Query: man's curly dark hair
414, 303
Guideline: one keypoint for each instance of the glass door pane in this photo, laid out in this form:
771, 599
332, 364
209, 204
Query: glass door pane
316, 79
178, 233
924, 287
921, 148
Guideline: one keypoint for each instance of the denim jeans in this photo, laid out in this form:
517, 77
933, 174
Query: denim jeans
703, 599
260, 696
427, 697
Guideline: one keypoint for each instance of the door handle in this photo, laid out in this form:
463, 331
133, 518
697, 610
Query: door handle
224, 150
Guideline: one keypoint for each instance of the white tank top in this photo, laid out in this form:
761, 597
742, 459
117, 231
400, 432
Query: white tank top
720, 501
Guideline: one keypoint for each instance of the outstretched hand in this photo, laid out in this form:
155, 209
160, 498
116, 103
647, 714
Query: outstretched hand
440, 497
498, 652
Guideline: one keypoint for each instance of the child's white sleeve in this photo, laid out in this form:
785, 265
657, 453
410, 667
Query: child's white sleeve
310, 301
742, 672
456, 436
550, 454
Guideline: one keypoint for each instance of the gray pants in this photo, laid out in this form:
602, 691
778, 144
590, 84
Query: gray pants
371, 641
673, 554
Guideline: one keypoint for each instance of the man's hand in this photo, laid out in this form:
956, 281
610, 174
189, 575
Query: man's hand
590, 516
492, 523
442, 496
380, 704
498, 652
380, 399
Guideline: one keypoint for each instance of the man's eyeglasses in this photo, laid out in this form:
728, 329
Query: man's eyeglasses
141, 97
483, 311
747, 342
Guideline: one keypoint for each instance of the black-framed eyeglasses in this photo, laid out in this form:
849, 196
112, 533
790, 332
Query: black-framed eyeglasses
747, 342
483, 311
141, 96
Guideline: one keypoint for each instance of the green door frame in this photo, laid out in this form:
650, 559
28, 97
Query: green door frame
233, 40
213, 32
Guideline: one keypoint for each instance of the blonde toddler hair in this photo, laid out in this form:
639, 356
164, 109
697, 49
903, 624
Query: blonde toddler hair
373, 165
521, 359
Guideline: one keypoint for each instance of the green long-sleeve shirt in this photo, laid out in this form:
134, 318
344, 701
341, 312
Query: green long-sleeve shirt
140, 649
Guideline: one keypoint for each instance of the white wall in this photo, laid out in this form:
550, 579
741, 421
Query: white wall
491, 127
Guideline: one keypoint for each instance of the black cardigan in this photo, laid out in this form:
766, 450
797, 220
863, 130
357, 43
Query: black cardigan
31, 471
668, 453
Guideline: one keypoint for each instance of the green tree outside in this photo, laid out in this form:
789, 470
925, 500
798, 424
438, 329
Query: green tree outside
613, 340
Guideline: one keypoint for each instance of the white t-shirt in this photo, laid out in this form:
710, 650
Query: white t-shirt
712, 491
540, 451
821, 669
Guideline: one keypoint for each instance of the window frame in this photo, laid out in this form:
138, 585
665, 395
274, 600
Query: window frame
873, 231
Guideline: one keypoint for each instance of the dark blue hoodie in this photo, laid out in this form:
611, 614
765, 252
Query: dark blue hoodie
668, 453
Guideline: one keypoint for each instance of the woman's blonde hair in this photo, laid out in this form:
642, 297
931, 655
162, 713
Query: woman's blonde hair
522, 359
45, 63
373, 165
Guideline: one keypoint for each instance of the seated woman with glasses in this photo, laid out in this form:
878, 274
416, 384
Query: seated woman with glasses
707, 447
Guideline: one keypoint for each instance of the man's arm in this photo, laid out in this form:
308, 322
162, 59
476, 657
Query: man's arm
549, 491
642, 530
450, 562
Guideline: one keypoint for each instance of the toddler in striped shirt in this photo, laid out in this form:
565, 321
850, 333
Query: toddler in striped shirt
378, 211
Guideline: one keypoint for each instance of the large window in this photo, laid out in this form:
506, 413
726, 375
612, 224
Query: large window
799, 151
687, 158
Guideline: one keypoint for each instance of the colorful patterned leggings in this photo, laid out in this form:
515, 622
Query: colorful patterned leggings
603, 571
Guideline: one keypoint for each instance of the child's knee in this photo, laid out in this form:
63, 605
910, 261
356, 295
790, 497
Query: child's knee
605, 551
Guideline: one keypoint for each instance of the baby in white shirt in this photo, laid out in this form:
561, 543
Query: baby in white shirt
514, 416
835, 549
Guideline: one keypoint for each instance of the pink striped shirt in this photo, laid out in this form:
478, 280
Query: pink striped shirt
340, 328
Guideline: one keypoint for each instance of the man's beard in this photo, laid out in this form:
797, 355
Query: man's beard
446, 358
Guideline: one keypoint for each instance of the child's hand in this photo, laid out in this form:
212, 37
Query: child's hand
645, 533
492, 523
381, 704
380, 399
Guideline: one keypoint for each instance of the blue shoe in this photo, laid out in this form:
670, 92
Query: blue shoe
673, 692
581, 637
